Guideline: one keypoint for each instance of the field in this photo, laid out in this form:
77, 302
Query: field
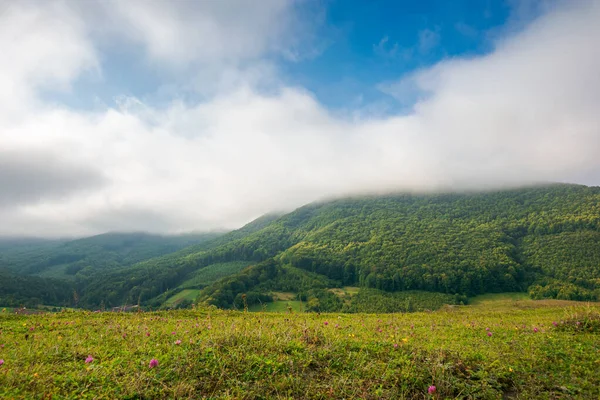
278, 306
213, 273
186, 294
496, 349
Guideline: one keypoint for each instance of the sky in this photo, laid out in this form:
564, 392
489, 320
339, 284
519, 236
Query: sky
177, 116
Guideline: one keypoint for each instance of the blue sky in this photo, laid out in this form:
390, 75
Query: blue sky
172, 116
374, 41
357, 45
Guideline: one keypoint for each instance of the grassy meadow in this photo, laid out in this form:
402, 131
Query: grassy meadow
499, 348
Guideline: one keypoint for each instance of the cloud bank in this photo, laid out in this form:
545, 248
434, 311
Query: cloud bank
524, 113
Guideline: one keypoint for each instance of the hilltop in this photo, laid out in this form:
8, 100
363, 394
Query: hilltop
337, 255
398, 252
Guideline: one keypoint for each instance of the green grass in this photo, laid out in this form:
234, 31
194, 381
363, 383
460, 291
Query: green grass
496, 297
186, 294
214, 272
278, 306
237, 355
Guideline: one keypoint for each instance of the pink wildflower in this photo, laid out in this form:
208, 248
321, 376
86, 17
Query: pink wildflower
487, 329
554, 323
178, 342
173, 333
535, 329
89, 359
431, 389
489, 333
326, 323
395, 345
1, 361
153, 363
147, 333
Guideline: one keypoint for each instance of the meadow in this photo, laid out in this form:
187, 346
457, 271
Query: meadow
501, 347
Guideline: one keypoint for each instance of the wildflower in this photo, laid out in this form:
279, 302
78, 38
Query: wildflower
173, 333
395, 345
510, 370
89, 359
535, 329
554, 323
153, 363
489, 333
326, 323
431, 389
147, 333
178, 342
405, 340
1, 361
487, 329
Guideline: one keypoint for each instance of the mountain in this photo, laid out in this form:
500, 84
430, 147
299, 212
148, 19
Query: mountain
542, 239
149, 282
38, 271
67, 258
370, 253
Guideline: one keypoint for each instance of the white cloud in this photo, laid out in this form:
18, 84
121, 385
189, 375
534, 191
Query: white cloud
202, 32
524, 113
43, 45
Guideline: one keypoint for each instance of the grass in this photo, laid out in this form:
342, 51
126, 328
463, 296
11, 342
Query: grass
186, 294
498, 297
278, 306
237, 355
214, 272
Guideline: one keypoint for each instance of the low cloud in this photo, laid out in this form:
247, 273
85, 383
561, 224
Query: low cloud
524, 113
30, 177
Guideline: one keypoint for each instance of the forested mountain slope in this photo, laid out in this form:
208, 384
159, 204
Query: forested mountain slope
66, 258
543, 239
146, 281
51, 272
463, 244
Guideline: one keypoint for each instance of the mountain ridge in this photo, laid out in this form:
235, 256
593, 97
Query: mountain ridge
455, 243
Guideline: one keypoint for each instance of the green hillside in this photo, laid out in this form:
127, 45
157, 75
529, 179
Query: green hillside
30, 291
65, 259
37, 271
544, 239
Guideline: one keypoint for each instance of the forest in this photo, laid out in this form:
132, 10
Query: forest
543, 240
